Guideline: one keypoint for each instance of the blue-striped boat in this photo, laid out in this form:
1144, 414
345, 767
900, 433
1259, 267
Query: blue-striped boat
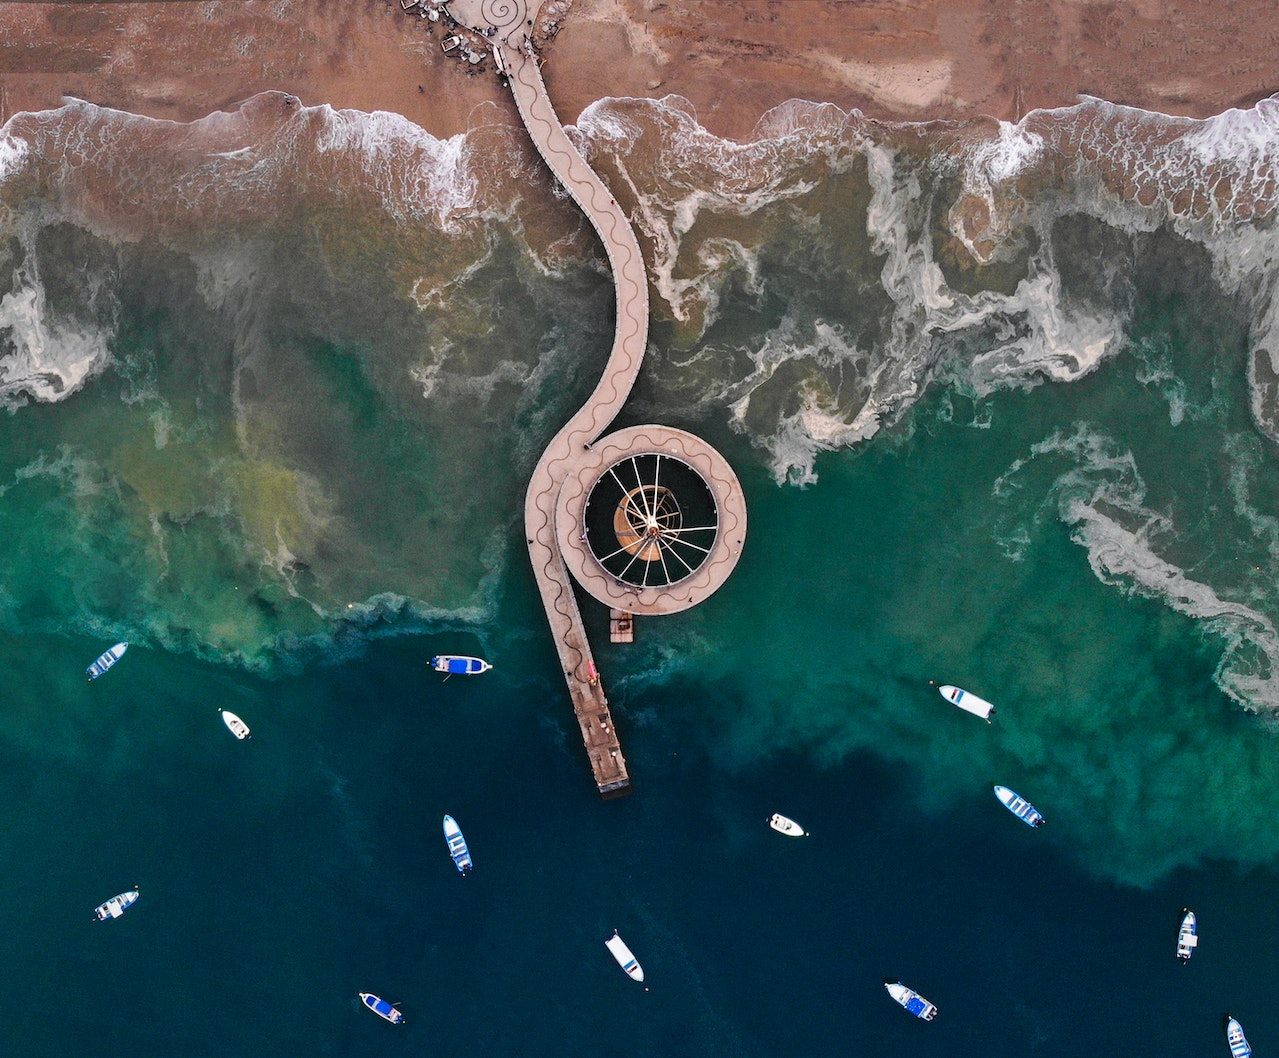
106, 660
457, 845
1019, 807
1187, 935
625, 957
911, 1000
117, 905
381, 1008
1238, 1041
459, 665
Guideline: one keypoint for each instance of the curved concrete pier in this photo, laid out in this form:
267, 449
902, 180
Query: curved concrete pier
556, 492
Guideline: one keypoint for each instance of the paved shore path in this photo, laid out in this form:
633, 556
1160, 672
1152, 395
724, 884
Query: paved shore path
554, 506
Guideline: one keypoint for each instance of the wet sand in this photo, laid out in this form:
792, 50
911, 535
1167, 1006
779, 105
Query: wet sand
898, 59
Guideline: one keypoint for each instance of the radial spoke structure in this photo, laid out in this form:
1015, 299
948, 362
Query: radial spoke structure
651, 520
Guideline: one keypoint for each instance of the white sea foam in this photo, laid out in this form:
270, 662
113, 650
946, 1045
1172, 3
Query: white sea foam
41, 356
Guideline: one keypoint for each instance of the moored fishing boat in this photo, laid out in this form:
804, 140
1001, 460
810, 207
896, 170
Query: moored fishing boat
105, 660
459, 665
786, 826
1019, 806
1239, 1047
968, 702
117, 905
911, 1000
235, 725
624, 956
1187, 935
457, 845
381, 1008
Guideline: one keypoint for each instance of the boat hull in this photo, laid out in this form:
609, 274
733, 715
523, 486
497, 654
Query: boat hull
1187, 935
459, 665
1239, 1047
116, 906
785, 826
384, 1010
1019, 807
970, 703
625, 957
235, 725
105, 660
911, 1000
457, 845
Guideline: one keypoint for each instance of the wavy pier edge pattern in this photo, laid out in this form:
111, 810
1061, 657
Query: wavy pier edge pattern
555, 500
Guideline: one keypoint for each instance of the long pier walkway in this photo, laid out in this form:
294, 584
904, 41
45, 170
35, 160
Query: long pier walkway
506, 24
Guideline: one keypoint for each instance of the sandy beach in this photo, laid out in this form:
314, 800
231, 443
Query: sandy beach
734, 59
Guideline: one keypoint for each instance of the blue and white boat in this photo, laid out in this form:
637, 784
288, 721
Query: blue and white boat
457, 845
911, 1000
625, 957
459, 665
968, 702
117, 905
381, 1008
1238, 1041
1019, 807
105, 661
1187, 936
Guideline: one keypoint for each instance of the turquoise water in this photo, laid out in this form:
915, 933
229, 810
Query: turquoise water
283, 452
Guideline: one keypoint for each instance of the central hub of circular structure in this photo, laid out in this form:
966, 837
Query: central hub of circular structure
650, 520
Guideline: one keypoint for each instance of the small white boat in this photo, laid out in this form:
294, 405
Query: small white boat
381, 1008
117, 905
785, 826
457, 845
1238, 1041
235, 725
911, 1000
625, 959
968, 702
106, 660
1019, 807
459, 665
1188, 935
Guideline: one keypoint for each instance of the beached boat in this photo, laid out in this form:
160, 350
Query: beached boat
117, 905
785, 826
625, 958
911, 1000
459, 665
457, 845
1019, 807
1238, 1041
381, 1008
968, 702
106, 660
1188, 935
235, 725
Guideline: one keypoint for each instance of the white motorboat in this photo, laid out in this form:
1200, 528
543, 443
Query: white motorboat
1188, 935
911, 1000
1019, 807
235, 725
968, 702
381, 1008
105, 660
457, 845
459, 665
625, 959
1239, 1047
117, 905
786, 826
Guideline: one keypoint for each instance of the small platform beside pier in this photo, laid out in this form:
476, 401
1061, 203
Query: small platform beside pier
621, 626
